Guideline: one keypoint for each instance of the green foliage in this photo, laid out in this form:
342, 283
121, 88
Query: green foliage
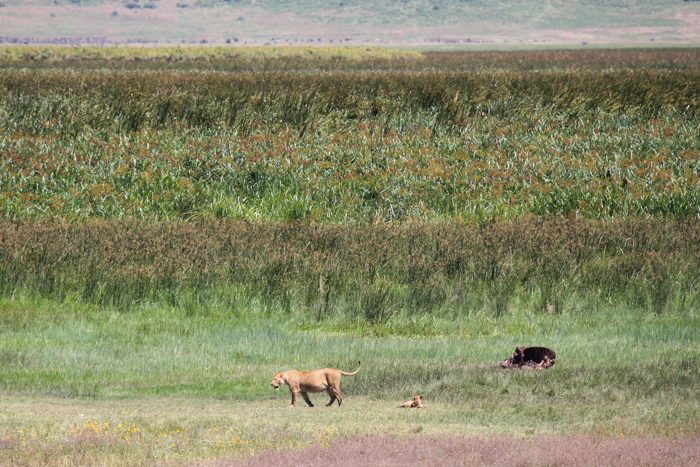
223, 58
617, 368
330, 154
338, 58
178, 234
365, 273
356, 146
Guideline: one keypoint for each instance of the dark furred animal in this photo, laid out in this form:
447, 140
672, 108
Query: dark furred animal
532, 357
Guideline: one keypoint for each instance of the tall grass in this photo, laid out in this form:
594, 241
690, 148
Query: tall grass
55, 55
347, 59
312, 160
396, 167
366, 273
447, 136
69, 102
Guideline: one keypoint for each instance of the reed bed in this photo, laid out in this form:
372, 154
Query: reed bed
123, 101
338, 58
348, 147
361, 273
365, 191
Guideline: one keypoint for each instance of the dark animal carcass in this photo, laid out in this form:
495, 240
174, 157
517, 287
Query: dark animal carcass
531, 357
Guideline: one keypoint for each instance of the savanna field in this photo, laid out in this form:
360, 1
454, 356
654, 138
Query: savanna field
178, 224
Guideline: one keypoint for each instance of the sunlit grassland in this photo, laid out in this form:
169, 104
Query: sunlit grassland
313, 59
80, 380
470, 137
171, 236
359, 275
257, 162
208, 58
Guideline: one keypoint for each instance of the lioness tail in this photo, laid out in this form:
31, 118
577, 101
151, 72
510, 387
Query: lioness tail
354, 372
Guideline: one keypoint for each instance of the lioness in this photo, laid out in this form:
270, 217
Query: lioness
416, 403
304, 382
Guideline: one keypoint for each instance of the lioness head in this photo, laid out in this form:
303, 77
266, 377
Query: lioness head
277, 381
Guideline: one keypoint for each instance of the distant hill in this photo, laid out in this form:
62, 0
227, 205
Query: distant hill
425, 23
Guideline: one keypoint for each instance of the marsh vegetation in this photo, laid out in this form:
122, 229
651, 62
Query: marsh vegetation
175, 230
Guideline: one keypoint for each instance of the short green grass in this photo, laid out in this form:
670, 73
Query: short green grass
72, 374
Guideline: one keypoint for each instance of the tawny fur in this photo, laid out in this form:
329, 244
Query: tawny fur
304, 382
416, 403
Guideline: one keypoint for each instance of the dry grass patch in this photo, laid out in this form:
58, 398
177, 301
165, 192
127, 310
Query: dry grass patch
488, 450
180, 431
183, 431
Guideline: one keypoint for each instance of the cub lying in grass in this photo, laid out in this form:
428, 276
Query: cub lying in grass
416, 403
304, 382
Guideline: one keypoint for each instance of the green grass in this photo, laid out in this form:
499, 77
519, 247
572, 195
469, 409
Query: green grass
158, 370
61, 56
354, 146
173, 232
359, 274
87, 352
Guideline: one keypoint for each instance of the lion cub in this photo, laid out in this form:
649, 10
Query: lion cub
304, 382
416, 403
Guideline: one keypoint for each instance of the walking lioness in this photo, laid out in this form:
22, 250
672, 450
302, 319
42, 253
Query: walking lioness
304, 382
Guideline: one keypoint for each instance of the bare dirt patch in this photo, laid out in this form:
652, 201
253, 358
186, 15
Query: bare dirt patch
490, 451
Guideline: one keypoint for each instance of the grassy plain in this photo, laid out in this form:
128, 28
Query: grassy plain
81, 384
176, 228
